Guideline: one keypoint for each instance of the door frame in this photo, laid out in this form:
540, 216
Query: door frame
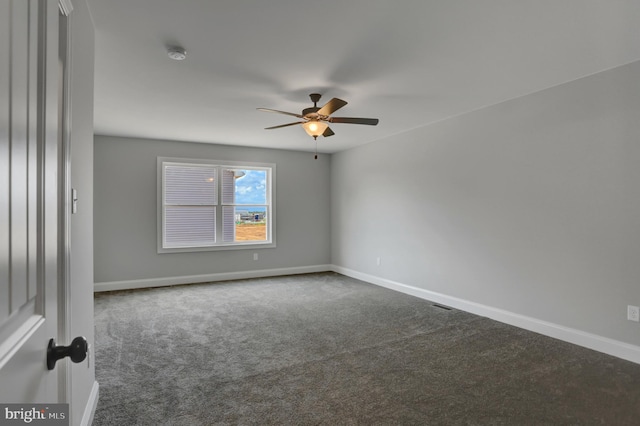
65, 200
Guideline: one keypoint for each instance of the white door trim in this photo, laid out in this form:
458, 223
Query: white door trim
65, 6
64, 202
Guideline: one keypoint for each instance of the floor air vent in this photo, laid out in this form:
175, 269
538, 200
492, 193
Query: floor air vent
446, 308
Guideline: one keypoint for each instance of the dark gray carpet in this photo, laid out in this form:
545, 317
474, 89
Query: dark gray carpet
324, 349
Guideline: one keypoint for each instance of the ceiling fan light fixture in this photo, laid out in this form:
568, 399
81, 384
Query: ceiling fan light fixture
315, 128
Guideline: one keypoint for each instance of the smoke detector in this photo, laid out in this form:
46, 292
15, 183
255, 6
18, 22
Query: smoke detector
177, 53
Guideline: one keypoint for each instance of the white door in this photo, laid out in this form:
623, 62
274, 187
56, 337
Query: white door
28, 199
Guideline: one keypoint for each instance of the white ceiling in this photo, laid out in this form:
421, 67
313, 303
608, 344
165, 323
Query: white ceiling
407, 62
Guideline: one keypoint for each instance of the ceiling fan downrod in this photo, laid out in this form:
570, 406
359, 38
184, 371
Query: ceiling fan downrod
315, 98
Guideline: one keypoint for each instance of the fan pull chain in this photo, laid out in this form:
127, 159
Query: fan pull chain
316, 141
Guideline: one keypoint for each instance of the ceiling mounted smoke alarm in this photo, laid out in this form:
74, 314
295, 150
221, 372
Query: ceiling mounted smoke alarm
177, 53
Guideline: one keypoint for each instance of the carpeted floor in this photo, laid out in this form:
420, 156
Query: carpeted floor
324, 349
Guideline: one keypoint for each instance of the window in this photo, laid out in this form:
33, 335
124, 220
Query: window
210, 205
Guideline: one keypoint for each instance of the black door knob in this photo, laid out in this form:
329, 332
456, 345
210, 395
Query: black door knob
77, 351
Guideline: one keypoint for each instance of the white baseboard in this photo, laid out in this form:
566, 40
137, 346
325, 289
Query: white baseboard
92, 403
192, 279
605, 345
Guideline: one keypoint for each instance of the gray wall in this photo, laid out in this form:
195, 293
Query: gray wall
125, 211
531, 206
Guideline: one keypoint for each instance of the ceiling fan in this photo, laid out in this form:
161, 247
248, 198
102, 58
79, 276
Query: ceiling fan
315, 118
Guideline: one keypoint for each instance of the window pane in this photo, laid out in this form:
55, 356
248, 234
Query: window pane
190, 185
191, 192
189, 226
251, 223
250, 187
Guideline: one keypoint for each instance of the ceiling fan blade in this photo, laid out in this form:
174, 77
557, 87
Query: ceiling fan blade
328, 132
332, 106
351, 120
279, 112
284, 125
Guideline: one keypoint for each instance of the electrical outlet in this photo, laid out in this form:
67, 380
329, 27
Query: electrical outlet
633, 313
378, 262
255, 256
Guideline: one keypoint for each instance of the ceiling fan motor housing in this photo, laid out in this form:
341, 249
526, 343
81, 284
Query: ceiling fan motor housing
310, 110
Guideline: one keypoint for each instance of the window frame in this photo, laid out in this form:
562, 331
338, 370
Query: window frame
220, 244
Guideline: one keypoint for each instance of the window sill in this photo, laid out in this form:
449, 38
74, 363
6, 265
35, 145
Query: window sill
221, 247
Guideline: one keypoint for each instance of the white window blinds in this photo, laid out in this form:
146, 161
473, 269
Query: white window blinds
228, 224
228, 210
190, 198
228, 186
